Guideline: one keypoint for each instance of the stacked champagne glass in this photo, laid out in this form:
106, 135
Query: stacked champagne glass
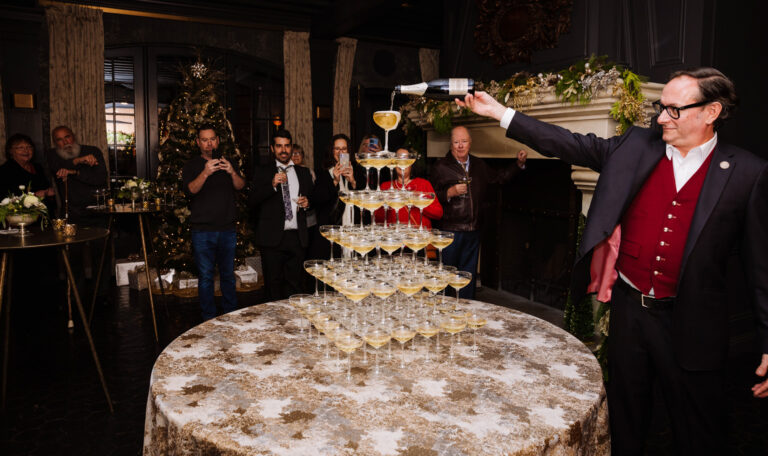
376, 295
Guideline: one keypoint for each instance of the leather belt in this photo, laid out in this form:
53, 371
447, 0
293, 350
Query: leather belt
649, 302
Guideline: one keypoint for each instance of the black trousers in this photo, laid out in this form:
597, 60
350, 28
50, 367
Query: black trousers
641, 358
283, 267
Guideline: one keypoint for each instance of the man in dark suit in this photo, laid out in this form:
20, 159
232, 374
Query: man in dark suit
280, 195
679, 203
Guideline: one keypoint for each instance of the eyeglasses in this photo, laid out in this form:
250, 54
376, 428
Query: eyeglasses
296, 152
674, 111
341, 149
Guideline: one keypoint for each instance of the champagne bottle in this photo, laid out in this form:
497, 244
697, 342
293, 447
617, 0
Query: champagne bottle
439, 89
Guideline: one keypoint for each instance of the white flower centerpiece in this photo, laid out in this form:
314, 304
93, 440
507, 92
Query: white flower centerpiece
134, 189
21, 210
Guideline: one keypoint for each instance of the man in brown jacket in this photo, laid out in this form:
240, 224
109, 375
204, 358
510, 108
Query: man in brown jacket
461, 182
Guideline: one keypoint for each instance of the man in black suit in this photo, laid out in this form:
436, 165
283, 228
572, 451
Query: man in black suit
280, 195
669, 303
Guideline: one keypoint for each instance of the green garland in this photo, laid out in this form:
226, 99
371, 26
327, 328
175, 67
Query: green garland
578, 83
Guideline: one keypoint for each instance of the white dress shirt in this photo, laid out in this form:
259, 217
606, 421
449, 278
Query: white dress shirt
683, 167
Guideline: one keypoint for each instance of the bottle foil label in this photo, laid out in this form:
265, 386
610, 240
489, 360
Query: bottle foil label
458, 86
415, 89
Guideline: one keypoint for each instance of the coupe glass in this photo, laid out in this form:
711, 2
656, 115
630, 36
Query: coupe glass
475, 321
348, 343
315, 268
441, 240
422, 200
364, 160
428, 328
403, 161
402, 333
387, 120
377, 337
460, 280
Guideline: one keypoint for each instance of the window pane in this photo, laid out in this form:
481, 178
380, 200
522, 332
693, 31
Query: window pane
120, 111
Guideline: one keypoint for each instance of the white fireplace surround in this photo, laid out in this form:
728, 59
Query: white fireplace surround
489, 140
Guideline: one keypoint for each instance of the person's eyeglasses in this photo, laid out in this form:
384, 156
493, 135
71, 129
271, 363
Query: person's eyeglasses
674, 111
295, 153
21, 148
340, 148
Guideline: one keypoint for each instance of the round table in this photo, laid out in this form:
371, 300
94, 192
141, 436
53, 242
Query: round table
250, 382
140, 212
10, 243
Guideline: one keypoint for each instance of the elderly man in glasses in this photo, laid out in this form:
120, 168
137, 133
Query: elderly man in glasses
674, 207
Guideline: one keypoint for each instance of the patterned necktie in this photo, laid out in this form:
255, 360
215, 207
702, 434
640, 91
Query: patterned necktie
287, 195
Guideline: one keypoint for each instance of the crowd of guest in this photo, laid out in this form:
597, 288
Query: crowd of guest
288, 201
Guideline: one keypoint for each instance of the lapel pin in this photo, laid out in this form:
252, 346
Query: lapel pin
725, 165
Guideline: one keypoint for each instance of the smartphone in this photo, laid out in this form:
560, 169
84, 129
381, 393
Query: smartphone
344, 159
373, 144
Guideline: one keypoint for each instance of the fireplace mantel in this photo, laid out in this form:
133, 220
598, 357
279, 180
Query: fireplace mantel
489, 140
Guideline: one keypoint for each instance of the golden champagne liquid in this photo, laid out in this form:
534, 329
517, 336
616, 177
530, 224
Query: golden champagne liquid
377, 341
356, 296
403, 335
441, 242
348, 347
344, 197
409, 290
421, 203
379, 163
476, 323
311, 311
363, 248
427, 331
384, 293
453, 326
386, 120
456, 283
416, 244
436, 288
390, 247
364, 162
397, 205
371, 205
404, 162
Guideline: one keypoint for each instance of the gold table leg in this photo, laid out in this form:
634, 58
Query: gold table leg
101, 268
4, 270
146, 271
86, 328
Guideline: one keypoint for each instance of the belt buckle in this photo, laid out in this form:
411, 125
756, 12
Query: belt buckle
642, 300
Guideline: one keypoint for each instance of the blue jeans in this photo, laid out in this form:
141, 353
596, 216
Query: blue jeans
212, 248
463, 253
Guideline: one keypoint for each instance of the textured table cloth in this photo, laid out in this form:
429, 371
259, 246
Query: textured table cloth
250, 382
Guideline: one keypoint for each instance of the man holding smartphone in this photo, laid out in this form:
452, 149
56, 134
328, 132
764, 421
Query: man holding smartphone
210, 182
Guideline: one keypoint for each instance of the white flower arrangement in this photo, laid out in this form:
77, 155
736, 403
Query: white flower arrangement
25, 204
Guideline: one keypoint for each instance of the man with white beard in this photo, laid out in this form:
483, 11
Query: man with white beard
78, 171
83, 170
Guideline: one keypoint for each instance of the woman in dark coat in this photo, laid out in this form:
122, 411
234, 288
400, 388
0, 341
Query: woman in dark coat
334, 176
19, 169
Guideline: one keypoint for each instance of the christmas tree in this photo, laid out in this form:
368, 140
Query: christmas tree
196, 104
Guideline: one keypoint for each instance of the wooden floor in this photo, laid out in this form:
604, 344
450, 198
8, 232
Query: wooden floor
56, 405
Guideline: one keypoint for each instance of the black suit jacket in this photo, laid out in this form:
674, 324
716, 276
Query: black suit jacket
730, 220
267, 205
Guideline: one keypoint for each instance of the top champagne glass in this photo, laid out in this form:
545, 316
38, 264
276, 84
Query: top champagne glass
387, 120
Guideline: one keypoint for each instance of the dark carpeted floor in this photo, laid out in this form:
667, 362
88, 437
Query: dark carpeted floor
56, 406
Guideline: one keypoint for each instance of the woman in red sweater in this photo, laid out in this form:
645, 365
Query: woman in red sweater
415, 184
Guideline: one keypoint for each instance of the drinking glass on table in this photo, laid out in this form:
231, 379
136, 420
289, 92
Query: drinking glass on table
377, 337
475, 321
348, 343
402, 334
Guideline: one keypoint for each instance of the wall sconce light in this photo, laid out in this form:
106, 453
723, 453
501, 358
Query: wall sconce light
277, 122
24, 101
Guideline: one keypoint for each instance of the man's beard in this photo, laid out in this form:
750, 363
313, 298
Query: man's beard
69, 151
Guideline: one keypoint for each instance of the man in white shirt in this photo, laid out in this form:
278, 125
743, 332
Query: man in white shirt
681, 205
280, 195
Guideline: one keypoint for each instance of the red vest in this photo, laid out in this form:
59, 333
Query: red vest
655, 228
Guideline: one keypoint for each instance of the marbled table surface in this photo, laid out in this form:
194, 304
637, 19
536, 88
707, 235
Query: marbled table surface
250, 382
